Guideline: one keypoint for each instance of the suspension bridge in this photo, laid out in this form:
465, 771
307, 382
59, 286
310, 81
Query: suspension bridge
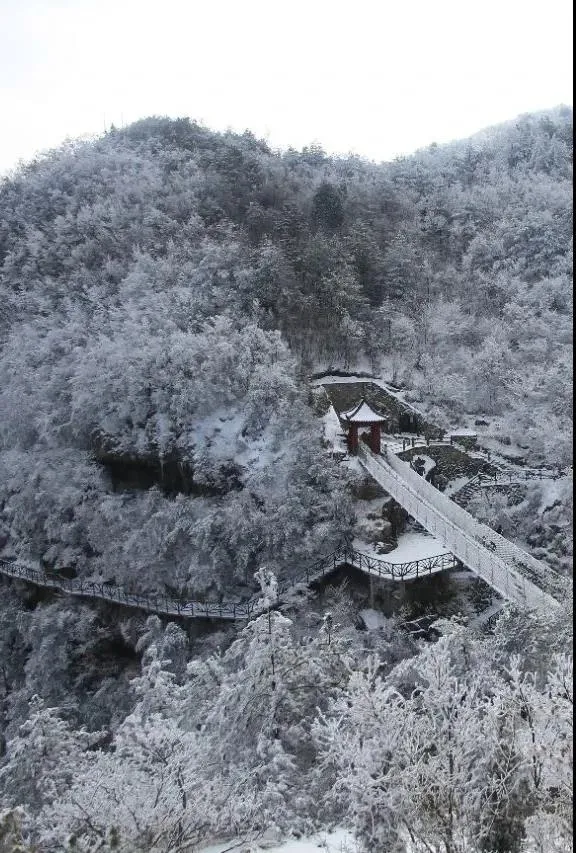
515, 575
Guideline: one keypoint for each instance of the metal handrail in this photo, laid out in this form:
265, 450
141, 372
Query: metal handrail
235, 610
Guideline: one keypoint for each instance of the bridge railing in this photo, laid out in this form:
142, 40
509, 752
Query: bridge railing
109, 592
523, 567
401, 571
461, 533
229, 609
506, 478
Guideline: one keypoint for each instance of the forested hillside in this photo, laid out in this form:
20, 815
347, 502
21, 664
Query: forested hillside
165, 289
166, 295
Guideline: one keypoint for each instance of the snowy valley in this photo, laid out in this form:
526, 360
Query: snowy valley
219, 630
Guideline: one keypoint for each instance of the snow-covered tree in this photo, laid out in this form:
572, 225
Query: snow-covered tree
446, 754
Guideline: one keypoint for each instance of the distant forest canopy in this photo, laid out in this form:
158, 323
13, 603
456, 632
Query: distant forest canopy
165, 290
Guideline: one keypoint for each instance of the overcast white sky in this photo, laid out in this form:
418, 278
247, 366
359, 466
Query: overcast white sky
377, 77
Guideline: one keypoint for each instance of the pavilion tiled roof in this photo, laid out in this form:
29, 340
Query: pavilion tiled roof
362, 413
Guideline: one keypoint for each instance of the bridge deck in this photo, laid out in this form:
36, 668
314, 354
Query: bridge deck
513, 573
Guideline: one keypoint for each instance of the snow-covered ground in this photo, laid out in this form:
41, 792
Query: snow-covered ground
456, 484
411, 546
416, 546
221, 433
339, 841
374, 620
554, 491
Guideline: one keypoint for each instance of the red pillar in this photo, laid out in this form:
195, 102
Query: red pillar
375, 433
353, 439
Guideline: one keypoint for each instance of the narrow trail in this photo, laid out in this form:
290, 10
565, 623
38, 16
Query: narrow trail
234, 610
